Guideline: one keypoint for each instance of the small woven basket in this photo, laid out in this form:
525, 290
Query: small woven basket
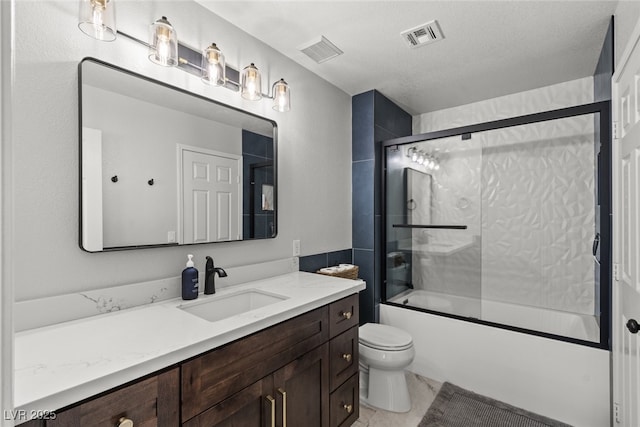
350, 273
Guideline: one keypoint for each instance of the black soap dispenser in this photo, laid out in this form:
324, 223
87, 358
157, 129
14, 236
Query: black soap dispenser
190, 280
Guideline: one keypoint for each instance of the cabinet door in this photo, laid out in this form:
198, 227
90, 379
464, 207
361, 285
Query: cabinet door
253, 406
302, 390
151, 402
344, 356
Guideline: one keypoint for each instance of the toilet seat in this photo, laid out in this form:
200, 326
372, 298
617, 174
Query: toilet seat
384, 337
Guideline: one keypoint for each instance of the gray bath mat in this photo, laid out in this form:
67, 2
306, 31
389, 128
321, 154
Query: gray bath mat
457, 407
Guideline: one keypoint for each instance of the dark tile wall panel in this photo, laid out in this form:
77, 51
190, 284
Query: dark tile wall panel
604, 68
389, 116
362, 200
256, 149
375, 118
312, 263
344, 256
362, 127
365, 260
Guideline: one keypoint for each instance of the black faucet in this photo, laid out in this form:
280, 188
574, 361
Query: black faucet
210, 276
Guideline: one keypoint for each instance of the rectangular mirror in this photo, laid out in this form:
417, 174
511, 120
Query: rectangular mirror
161, 166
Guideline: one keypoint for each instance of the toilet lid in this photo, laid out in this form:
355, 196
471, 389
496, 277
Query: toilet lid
384, 337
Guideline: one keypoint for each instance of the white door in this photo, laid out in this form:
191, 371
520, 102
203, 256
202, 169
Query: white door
211, 197
626, 220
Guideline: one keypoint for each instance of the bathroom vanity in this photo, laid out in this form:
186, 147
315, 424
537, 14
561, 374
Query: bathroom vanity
299, 371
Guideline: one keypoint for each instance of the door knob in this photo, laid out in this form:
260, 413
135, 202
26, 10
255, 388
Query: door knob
633, 326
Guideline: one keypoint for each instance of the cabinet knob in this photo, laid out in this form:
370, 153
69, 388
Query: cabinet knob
125, 422
347, 357
346, 314
348, 408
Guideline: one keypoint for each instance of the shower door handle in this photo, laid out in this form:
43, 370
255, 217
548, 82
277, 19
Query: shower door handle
633, 326
594, 248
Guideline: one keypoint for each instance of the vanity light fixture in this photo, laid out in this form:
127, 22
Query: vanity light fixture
163, 43
213, 66
97, 19
281, 96
251, 83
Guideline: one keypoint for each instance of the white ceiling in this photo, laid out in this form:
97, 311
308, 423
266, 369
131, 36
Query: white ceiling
491, 48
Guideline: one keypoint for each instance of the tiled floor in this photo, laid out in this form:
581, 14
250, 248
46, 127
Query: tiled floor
422, 391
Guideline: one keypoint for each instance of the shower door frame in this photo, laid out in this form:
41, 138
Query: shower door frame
603, 184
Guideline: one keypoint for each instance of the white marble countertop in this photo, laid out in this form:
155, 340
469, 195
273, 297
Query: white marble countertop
61, 364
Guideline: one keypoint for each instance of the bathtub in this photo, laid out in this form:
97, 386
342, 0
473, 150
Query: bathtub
562, 380
578, 326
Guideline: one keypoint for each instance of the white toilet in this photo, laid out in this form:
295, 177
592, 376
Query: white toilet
384, 353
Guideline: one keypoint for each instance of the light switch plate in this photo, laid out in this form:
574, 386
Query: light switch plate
296, 248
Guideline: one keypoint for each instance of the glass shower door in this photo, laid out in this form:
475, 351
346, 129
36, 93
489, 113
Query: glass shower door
499, 225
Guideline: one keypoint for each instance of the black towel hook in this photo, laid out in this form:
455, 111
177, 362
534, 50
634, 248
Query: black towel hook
150, 182
114, 178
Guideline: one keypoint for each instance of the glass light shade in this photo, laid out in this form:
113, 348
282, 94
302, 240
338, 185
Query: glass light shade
213, 66
414, 154
163, 41
251, 83
421, 158
281, 96
97, 19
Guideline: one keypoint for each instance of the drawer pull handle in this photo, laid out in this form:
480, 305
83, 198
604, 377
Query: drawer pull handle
284, 406
346, 314
125, 422
347, 357
272, 408
348, 408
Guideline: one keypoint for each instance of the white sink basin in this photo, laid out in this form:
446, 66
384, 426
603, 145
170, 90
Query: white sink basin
214, 308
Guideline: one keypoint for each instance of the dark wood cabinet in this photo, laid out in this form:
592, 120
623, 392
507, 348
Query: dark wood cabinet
150, 402
302, 390
301, 372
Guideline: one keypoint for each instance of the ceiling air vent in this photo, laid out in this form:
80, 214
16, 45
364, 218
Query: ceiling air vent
320, 50
423, 34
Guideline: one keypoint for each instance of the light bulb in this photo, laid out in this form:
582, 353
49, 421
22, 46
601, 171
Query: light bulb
251, 83
97, 18
163, 45
281, 96
213, 66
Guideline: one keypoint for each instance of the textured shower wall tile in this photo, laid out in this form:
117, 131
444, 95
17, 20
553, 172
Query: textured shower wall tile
538, 215
567, 94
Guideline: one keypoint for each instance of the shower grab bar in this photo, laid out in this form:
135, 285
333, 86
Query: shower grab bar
446, 227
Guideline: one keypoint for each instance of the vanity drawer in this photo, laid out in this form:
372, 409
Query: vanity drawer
345, 403
343, 359
343, 314
210, 378
151, 402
